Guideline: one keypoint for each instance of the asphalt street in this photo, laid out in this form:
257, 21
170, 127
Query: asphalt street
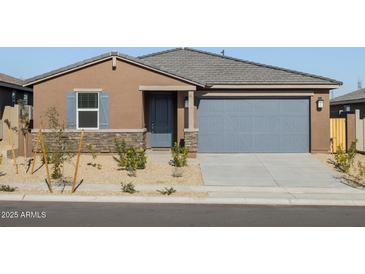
51, 214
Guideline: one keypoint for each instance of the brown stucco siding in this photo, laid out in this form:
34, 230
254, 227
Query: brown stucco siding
320, 123
122, 84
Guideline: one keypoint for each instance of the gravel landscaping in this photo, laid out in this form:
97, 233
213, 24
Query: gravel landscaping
156, 172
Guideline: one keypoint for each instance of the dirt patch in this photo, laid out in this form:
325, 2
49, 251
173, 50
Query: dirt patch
349, 179
108, 193
154, 173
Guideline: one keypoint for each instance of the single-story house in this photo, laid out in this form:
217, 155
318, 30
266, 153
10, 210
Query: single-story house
348, 103
12, 90
209, 102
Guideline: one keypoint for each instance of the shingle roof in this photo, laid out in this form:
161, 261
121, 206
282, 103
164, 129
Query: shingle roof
210, 68
357, 95
10, 80
204, 69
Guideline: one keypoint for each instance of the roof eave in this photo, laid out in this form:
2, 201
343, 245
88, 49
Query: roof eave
14, 86
273, 85
351, 101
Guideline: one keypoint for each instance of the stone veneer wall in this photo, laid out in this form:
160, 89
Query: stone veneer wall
102, 141
191, 141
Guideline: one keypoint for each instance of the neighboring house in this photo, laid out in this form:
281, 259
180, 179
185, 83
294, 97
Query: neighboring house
209, 102
11, 90
348, 103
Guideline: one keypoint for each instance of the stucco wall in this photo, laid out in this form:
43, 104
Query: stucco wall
125, 100
320, 123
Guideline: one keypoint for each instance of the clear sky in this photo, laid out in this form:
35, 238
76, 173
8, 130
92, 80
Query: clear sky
344, 64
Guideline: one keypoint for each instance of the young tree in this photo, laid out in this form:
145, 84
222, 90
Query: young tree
24, 124
58, 153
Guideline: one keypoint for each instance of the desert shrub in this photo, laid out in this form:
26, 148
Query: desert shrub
167, 191
59, 155
141, 158
179, 155
345, 160
121, 148
94, 156
130, 158
7, 188
128, 188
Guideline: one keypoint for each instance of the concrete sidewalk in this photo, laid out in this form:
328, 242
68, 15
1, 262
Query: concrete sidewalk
215, 195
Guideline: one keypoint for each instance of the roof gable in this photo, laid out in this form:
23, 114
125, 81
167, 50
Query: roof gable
101, 58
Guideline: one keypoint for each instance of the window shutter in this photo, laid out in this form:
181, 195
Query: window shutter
104, 110
71, 110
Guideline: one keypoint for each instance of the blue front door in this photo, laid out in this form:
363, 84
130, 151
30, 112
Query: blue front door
161, 120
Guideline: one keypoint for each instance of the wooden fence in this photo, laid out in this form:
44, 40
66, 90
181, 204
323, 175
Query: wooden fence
338, 134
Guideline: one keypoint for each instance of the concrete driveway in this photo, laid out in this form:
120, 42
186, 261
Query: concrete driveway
267, 170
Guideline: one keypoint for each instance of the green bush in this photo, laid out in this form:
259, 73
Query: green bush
130, 158
179, 155
128, 188
141, 158
344, 161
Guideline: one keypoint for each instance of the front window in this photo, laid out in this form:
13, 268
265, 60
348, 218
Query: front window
87, 110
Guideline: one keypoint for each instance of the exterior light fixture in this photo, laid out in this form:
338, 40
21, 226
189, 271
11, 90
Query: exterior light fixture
320, 103
186, 102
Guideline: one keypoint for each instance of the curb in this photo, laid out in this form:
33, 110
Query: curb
183, 200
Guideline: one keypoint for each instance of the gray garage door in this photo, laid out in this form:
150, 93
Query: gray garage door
253, 125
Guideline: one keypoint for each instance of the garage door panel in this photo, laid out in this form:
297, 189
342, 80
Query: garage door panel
266, 124
212, 124
253, 125
211, 143
293, 107
265, 107
238, 123
236, 106
294, 143
266, 143
294, 125
232, 143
